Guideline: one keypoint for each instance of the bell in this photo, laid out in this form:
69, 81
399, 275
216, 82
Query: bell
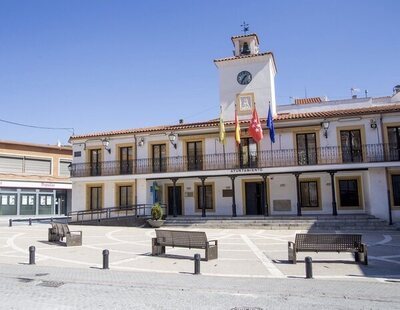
245, 49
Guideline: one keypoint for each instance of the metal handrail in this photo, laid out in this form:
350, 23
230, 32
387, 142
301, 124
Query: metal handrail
138, 210
366, 153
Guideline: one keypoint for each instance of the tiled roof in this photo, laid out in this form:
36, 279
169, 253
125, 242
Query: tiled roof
246, 36
243, 56
339, 113
278, 118
308, 100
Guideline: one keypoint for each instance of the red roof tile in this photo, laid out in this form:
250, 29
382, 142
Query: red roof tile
243, 56
281, 117
246, 36
308, 100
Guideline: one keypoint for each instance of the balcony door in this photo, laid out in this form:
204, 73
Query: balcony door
351, 146
195, 155
248, 153
126, 160
306, 149
159, 153
394, 143
95, 162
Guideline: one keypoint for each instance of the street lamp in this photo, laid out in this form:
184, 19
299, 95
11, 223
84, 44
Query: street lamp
172, 139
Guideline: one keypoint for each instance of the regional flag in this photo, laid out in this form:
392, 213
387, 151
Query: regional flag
255, 129
270, 125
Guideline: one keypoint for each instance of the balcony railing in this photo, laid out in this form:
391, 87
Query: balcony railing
368, 153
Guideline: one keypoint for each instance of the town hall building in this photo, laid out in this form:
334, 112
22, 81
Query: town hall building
329, 157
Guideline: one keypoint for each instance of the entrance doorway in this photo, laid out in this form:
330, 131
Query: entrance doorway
61, 203
178, 196
253, 192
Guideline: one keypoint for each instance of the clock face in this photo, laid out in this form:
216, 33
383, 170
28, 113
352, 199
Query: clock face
244, 77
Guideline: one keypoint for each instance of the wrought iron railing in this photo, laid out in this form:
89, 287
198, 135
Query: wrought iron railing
367, 153
139, 210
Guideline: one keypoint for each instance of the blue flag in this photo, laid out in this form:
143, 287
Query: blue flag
270, 125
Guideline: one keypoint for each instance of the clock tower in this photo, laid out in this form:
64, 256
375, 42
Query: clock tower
245, 79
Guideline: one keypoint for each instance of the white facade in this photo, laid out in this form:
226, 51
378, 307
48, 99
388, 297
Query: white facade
356, 152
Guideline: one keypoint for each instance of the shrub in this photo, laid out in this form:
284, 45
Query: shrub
156, 212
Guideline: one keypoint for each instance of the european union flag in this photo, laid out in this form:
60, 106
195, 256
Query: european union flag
270, 125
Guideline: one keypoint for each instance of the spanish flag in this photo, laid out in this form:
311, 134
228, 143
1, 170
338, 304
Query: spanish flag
237, 128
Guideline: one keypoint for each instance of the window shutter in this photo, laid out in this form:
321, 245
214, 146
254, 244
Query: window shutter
64, 171
38, 166
11, 164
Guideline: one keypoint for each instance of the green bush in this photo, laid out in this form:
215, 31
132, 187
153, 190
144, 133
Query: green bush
156, 212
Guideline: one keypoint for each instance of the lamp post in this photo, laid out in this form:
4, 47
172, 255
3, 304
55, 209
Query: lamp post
325, 127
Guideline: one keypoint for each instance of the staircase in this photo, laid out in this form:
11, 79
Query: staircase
353, 222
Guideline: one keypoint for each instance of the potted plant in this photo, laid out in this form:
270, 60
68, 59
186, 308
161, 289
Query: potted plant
156, 216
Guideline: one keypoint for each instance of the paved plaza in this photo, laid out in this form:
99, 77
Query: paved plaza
252, 270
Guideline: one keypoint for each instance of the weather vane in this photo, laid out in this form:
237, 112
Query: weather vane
245, 27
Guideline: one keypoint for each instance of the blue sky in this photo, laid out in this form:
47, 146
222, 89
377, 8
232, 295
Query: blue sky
103, 65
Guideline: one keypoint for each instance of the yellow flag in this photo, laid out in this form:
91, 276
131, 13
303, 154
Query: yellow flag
237, 129
221, 129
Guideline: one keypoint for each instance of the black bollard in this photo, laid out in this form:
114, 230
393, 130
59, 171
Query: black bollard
32, 255
30, 222
197, 263
308, 261
10, 223
106, 253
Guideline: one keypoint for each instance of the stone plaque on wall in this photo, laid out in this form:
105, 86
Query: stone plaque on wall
188, 194
227, 193
282, 205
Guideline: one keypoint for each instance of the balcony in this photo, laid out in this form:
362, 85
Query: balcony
369, 153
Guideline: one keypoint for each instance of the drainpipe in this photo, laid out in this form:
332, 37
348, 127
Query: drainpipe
135, 159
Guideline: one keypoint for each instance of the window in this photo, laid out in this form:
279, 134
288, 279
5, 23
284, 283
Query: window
37, 166
126, 160
64, 168
248, 153
11, 164
45, 204
95, 162
209, 197
125, 196
396, 189
95, 197
8, 204
195, 155
351, 146
309, 194
28, 204
159, 152
394, 143
349, 193
306, 149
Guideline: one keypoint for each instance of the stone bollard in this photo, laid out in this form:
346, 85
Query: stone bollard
32, 255
309, 273
10, 223
106, 254
30, 222
197, 263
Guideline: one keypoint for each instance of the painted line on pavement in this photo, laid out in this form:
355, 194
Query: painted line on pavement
265, 261
386, 239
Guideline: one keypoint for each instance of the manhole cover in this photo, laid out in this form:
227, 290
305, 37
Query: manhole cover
25, 280
51, 283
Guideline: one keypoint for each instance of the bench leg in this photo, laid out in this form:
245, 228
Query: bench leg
211, 252
357, 257
155, 248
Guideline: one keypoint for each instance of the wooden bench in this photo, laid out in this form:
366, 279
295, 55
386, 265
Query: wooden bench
184, 239
58, 231
328, 243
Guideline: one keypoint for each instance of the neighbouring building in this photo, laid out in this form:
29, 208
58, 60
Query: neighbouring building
34, 179
329, 156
